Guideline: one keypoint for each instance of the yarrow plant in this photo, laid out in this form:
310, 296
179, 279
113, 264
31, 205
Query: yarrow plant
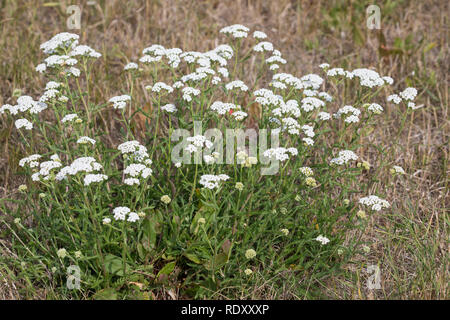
129, 211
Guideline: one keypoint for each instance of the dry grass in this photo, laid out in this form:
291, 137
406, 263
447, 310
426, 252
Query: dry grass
411, 244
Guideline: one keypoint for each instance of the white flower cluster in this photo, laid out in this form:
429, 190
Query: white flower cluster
83, 164
312, 80
324, 116
325, 96
370, 78
24, 104
170, 108
69, 117
259, 35
58, 61
85, 51
323, 240
53, 85
236, 31
290, 108
310, 93
131, 66
62, 40
344, 157
280, 154
275, 59
11, 109
278, 85
73, 71
291, 125
121, 213
157, 87
200, 74
266, 97
156, 52
333, 72
289, 80
197, 143
367, 78
135, 151
85, 140
188, 92
90, 178
50, 94
62, 43
345, 110
211, 181
224, 107
136, 171
308, 131
45, 170
173, 56
120, 102
31, 161
375, 108
395, 98
239, 115
311, 103
407, 95
23, 123
374, 202
307, 171
397, 170
263, 46
236, 84
210, 159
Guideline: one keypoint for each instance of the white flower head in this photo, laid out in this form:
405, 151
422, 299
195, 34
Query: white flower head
375, 108
120, 213
61, 40
90, 178
211, 181
84, 140
160, 87
131, 66
323, 240
31, 161
263, 47
236, 84
133, 217
188, 92
236, 31
280, 154
85, 51
69, 117
23, 123
259, 35
120, 102
170, 108
409, 93
374, 202
344, 157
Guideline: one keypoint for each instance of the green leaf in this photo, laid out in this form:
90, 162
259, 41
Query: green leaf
105, 294
114, 265
167, 269
194, 258
217, 262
